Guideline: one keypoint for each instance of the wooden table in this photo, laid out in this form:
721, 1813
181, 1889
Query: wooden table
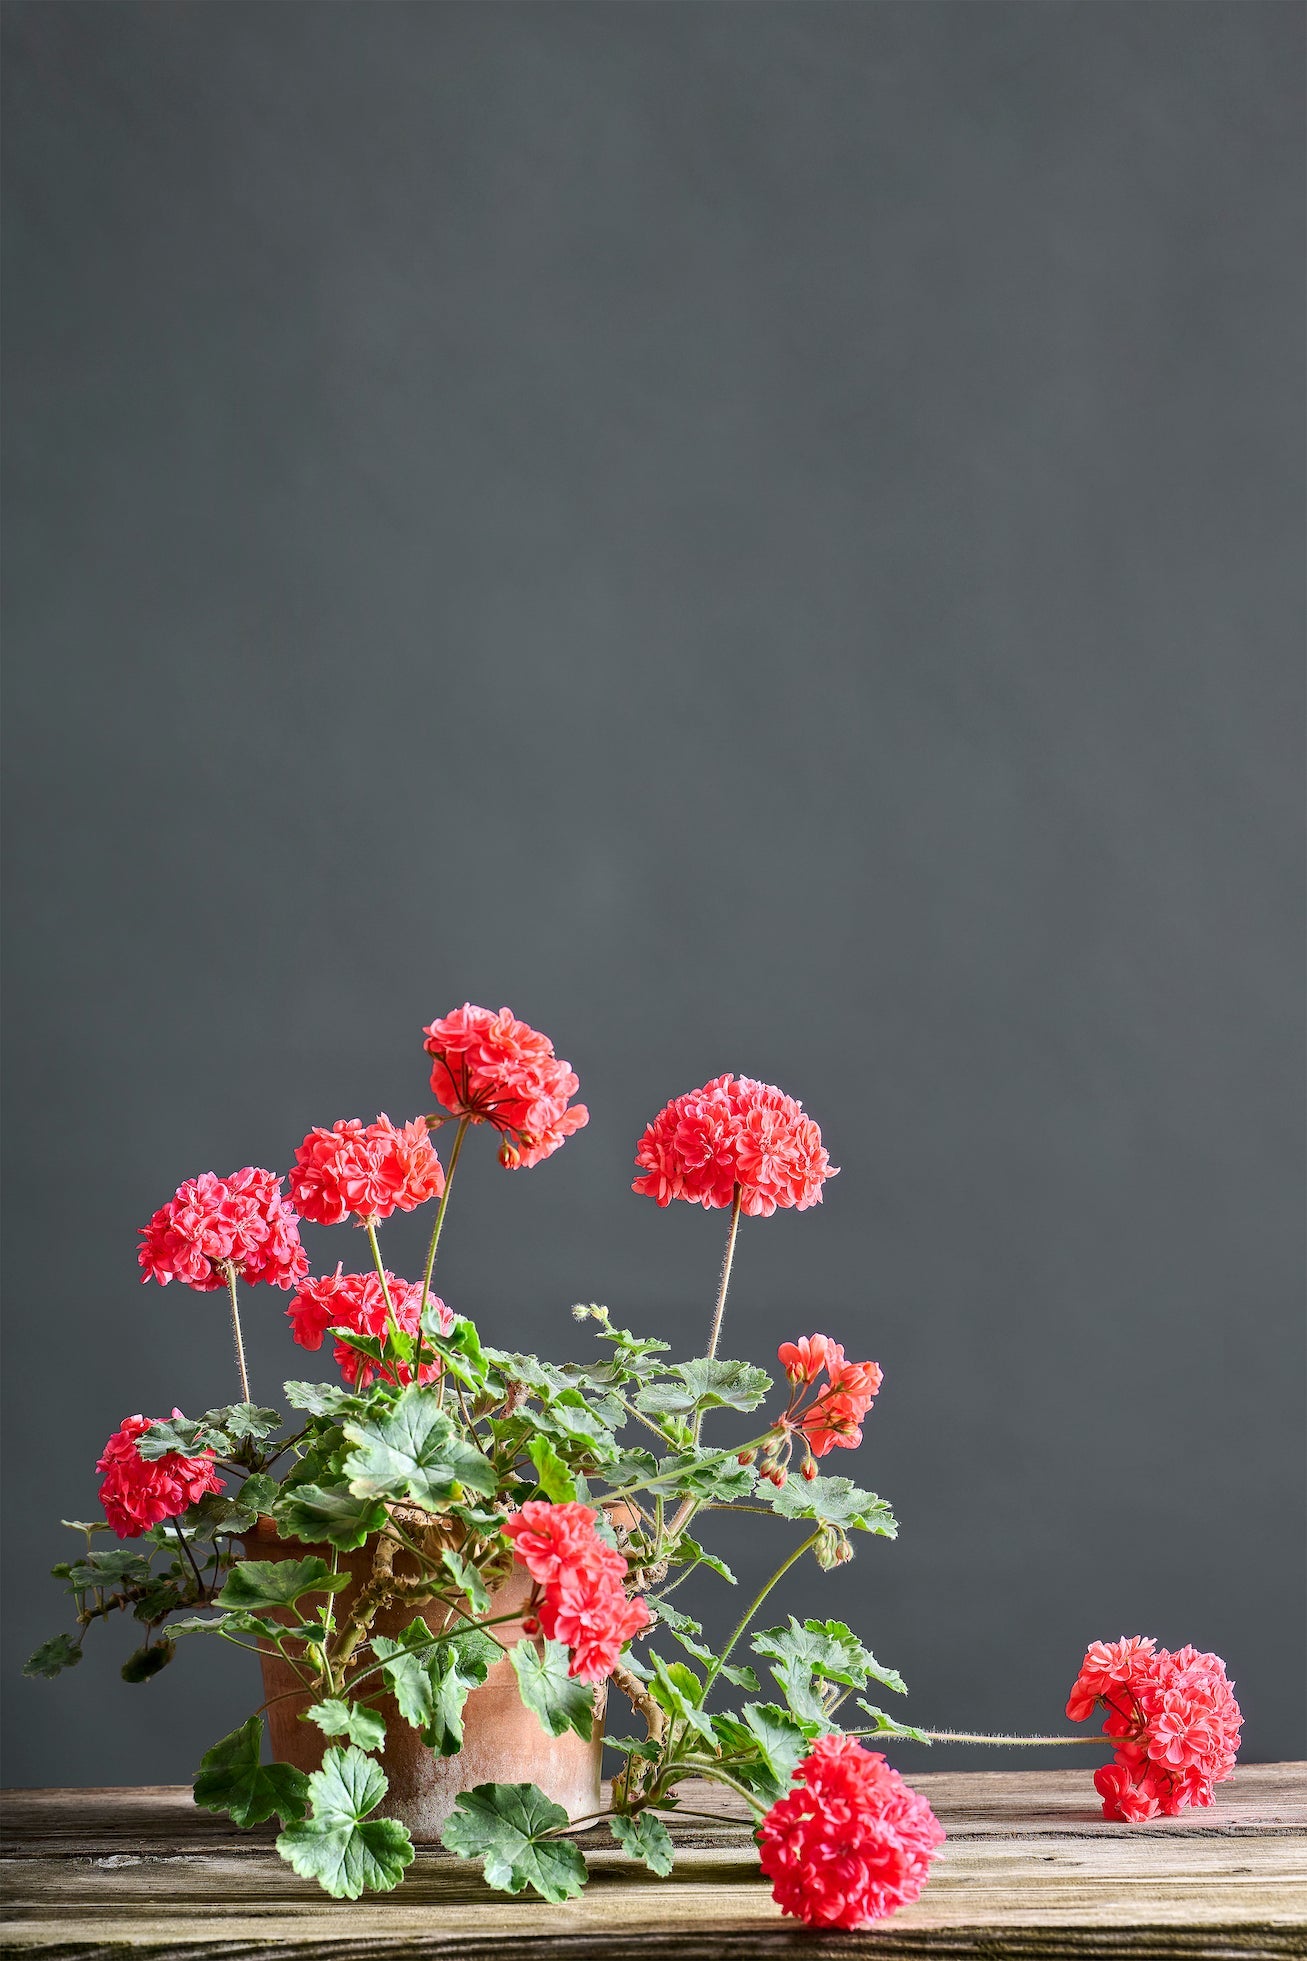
1029, 1870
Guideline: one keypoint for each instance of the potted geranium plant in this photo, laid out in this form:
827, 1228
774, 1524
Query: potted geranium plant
448, 1553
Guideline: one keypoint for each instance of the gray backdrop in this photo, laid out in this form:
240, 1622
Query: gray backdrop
768, 538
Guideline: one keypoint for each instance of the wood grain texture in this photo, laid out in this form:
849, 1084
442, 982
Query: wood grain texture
1029, 1870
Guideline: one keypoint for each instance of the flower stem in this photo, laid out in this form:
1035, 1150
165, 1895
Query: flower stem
385, 1289
967, 1736
715, 1665
434, 1242
455, 1148
720, 1309
236, 1332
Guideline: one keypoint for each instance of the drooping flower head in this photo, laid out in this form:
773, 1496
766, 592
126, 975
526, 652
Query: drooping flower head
495, 1069
367, 1170
834, 1417
584, 1603
212, 1222
356, 1301
734, 1131
1173, 1719
851, 1842
138, 1492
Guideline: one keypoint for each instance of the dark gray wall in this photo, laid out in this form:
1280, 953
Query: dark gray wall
769, 539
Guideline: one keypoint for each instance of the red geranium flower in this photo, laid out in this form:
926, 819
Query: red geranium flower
368, 1170
584, 1604
138, 1492
1173, 1719
495, 1069
851, 1843
734, 1131
835, 1415
212, 1222
356, 1301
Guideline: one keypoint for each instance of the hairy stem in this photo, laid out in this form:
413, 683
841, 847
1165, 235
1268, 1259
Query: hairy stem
714, 1668
720, 1310
385, 1289
236, 1331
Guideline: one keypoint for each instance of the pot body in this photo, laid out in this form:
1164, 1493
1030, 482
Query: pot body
503, 1742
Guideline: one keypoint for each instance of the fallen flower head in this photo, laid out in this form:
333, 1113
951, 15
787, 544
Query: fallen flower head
850, 1842
1173, 1720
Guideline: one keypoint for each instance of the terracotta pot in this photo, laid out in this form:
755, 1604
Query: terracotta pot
503, 1743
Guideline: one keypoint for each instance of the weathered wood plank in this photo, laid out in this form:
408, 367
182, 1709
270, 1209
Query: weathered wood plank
1028, 1870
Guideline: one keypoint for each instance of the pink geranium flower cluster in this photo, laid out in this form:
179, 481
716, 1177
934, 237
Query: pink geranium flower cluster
851, 1842
584, 1603
734, 1131
364, 1170
1173, 1720
211, 1223
356, 1301
139, 1492
834, 1417
495, 1069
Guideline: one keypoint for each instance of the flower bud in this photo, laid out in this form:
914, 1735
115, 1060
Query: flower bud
808, 1469
531, 1625
746, 1457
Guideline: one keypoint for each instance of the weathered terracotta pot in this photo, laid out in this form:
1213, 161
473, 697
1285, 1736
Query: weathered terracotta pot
503, 1743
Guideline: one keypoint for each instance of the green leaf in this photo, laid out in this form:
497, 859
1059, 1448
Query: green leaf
782, 1742
803, 1654
309, 1513
886, 1725
691, 1549
555, 1480
630, 1467
559, 1702
160, 1598
52, 1657
459, 1350
114, 1568
230, 1624
259, 1492
707, 1474
336, 1718
678, 1690
259, 1583
682, 1627
324, 1398
831, 1501
512, 1829
232, 1779
241, 1420
85, 1524
647, 1838
147, 1661
572, 1421
430, 1677
467, 1580
414, 1451
215, 1513
705, 1384
340, 1845
743, 1678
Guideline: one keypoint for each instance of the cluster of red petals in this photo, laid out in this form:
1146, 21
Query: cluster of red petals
1173, 1721
368, 1170
356, 1301
851, 1842
734, 1131
835, 1416
584, 1604
494, 1069
138, 1492
210, 1222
